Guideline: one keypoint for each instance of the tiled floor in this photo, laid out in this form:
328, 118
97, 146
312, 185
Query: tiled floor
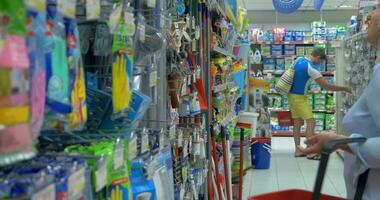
288, 172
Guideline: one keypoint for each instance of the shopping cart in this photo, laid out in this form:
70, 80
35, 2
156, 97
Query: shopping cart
316, 194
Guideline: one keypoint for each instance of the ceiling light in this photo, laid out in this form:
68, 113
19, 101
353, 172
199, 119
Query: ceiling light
345, 6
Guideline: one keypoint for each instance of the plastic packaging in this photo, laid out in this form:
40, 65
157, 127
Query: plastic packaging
121, 70
36, 31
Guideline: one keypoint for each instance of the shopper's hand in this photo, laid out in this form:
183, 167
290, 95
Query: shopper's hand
347, 89
316, 143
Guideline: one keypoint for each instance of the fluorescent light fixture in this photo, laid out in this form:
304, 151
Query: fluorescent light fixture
345, 6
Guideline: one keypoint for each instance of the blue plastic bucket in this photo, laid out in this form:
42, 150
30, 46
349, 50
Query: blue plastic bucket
261, 152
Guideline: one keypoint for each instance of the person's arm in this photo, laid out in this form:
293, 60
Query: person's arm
369, 152
321, 81
331, 87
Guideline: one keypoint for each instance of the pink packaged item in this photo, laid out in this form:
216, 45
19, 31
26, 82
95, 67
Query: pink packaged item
18, 99
38, 101
15, 139
14, 53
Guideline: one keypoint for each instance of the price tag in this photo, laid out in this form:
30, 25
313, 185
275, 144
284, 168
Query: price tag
180, 138
184, 88
129, 20
67, 7
161, 141
101, 174
186, 148
197, 33
162, 21
187, 37
196, 148
151, 3
93, 9
141, 29
152, 167
172, 132
39, 5
144, 143
115, 17
153, 78
132, 148
193, 23
48, 193
118, 156
76, 183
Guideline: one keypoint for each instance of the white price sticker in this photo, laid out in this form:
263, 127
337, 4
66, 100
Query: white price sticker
180, 138
153, 78
76, 183
48, 193
39, 5
144, 143
67, 7
196, 148
151, 3
115, 18
172, 132
92, 9
141, 29
129, 20
161, 141
162, 21
101, 175
186, 148
197, 33
132, 148
118, 156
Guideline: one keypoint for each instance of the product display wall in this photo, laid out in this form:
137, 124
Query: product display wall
117, 99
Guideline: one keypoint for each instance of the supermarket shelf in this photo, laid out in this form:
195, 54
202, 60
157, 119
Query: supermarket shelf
295, 42
285, 134
222, 87
284, 110
279, 56
224, 52
314, 92
280, 73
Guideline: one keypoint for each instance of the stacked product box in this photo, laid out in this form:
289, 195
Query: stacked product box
269, 64
280, 65
309, 50
277, 49
308, 36
331, 34
266, 49
300, 50
319, 101
330, 121
299, 35
319, 31
290, 49
289, 62
319, 121
288, 36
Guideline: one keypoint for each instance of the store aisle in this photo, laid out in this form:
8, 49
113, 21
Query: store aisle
287, 172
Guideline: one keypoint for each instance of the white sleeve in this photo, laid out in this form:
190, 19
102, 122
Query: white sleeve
313, 73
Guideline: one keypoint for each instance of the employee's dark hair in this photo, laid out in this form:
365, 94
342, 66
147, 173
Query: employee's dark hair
319, 52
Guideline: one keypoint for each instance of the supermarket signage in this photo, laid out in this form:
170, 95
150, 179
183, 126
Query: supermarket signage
287, 6
256, 83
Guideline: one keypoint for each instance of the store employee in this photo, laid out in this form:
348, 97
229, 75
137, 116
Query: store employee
363, 119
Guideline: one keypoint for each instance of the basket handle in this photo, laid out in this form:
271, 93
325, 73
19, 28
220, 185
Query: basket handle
325, 155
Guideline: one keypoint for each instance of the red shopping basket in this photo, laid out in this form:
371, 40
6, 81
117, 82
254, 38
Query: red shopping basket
284, 118
316, 194
290, 195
